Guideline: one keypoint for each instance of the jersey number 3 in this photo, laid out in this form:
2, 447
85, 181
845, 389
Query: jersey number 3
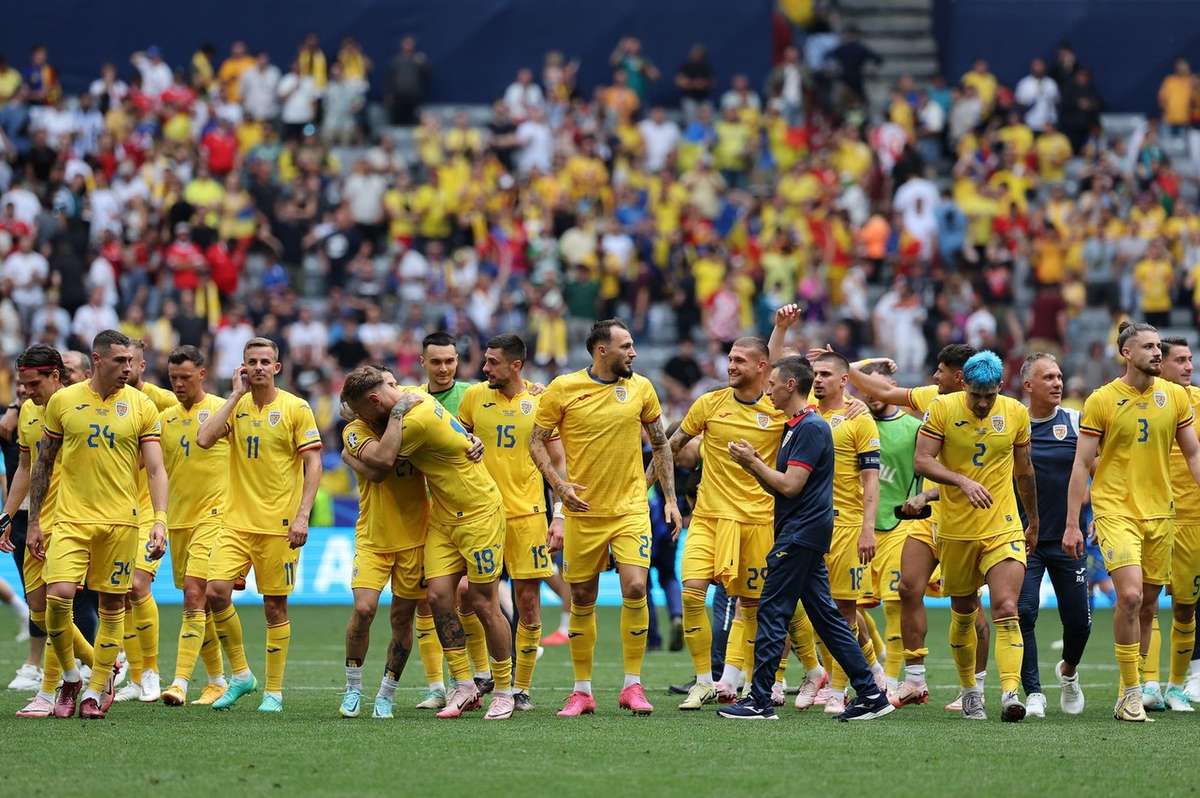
1143, 430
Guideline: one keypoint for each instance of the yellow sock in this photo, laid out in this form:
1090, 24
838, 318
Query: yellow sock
108, 643
527, 646
58, 629
803, 638
278, 639
133, 649
735, 646
893, 641
837, 675
635, 622
430, 647
145, 619
781, 671
459, 663
83, 649
963, 641
51, 670
823, 653
1151, 661
581, 632
1010, 649
1183, 639
867, 643
697, 630
229, 631
210, 649
877, 644
476, 641
749, 632
191, 638
1127, 664
502, 674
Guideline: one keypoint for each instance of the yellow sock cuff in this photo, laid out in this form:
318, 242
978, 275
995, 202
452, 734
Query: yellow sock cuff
38, 617
112, 616
137, 602
1176, 626
693, 595
582, 610
633, 604
916, 653
528, 629
962, 619
220, 616
1126, 651
195, 615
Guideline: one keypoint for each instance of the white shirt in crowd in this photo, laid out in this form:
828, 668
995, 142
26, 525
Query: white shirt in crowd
228, 343
156, 77
523, 99
1040, 95
259, 86
101, 274
27, 272
26, 206
377, 335
980, 328
365, 193
299, 94
91, 320
537, 147
661, 141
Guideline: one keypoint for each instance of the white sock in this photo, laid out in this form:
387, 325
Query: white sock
482, 674
892, 684
705, 679
837, 695
632, 678
1194, 668
914, 674
741, 680
980, 679
19, 607
815, 674
505, 691
71, 675
92, 694
387, 687
218, 680
1153, 686
876, 668
437, 686
730, 675
243, 675
562, 624
273, 694
42, 694
354, 677
584, 686
182, 684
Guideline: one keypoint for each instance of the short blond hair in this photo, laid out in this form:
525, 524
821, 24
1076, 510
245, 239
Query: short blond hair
260, 341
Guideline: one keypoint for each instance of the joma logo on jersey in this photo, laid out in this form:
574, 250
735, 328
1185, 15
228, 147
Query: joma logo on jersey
274, 417
998, 423
526, 407
620, 393
763, 420
1060, 431
1160, 399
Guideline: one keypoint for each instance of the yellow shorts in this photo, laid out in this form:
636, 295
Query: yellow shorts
588, 539
191, 549
921, 529
965, 563
274, 561
405, 569
885, 568
1185, 564
144, 563
845, 571
476, 549
32, 568
733, 553
525, 553
1129, 541
99, 556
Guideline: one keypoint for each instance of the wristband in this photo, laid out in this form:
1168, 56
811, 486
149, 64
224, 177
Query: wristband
5, 521
558, 513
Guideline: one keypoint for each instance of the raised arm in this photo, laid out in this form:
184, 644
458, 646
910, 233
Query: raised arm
1086, 448
217, 425
785, 317
384, 453
877, 387
663, 462
1027, 489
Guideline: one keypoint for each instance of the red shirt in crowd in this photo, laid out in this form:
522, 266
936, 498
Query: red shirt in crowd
221, 148
185, 260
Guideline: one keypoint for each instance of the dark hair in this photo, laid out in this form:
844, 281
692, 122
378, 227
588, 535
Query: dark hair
836, 357
109, 338
602, 332
437, 339
879, 367
754, 342
360, 382
511, 345
795, 367
138, 344
1166, 343
43, 358
956, 355
1128, 329
186, 354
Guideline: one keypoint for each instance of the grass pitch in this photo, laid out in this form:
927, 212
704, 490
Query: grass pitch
309, 750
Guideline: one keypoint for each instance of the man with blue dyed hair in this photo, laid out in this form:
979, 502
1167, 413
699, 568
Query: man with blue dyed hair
973, 443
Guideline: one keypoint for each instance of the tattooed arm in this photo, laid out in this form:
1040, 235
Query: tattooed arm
1027, 489
663, 463
384, 453
679, 439
39, 483
566, 491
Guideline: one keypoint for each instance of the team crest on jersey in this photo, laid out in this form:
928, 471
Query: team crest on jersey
1160, 399
526, 406
352, 439
274, 417
764, 420
998, 423
836, 421
1060, 431
203, 416
620, 393
122, 409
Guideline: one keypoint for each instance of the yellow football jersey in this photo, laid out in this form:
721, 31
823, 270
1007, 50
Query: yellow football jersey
726, 489
163, 399
266, 472
101, 447
1137, 432
853, 438
1183, 486
922, 397
600, 424
504, 425
980, 449
393, 514
463, 492
199, 478
30, 428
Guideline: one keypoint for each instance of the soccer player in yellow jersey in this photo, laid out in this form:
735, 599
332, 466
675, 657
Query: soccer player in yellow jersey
274, 471
466, 525
39, 372
1185, 553
100, 427
502, 411
389, 549
855, 501
199, 482
600, 413
731, 529
973, 443
1132, 422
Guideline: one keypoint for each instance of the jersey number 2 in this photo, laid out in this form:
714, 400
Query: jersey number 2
977, 458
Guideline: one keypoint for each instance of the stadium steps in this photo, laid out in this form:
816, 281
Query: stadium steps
901, 31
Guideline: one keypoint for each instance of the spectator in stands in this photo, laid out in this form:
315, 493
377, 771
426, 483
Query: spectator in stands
740, 96
1066, 64
258, 86
345, 98
1176, 97
1080, 109
851, 57
408, 85
229, 76
311, 63
639, 71
523, 96
156, 73
41, 79
1039, 95
1155, 278
898, 317
298, 94
94, 317
27, 272
695, 80
985, 85
785, 83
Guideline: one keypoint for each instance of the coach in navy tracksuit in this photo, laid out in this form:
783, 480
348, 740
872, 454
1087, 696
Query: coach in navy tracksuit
801, 480
1054, 432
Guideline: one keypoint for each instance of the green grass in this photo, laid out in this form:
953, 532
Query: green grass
310, 750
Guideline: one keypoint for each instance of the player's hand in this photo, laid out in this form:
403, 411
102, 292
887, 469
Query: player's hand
298, 533
554, 536
977, 494
535, 388
475, 452
913, 505
855, 407
6, 544
866, 545
742, 452
674, 519
787, 315
156, 546
346, 413
1072, 542
568, 493
404, 403
817, 351
241, 381
34, 541
1031, 538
